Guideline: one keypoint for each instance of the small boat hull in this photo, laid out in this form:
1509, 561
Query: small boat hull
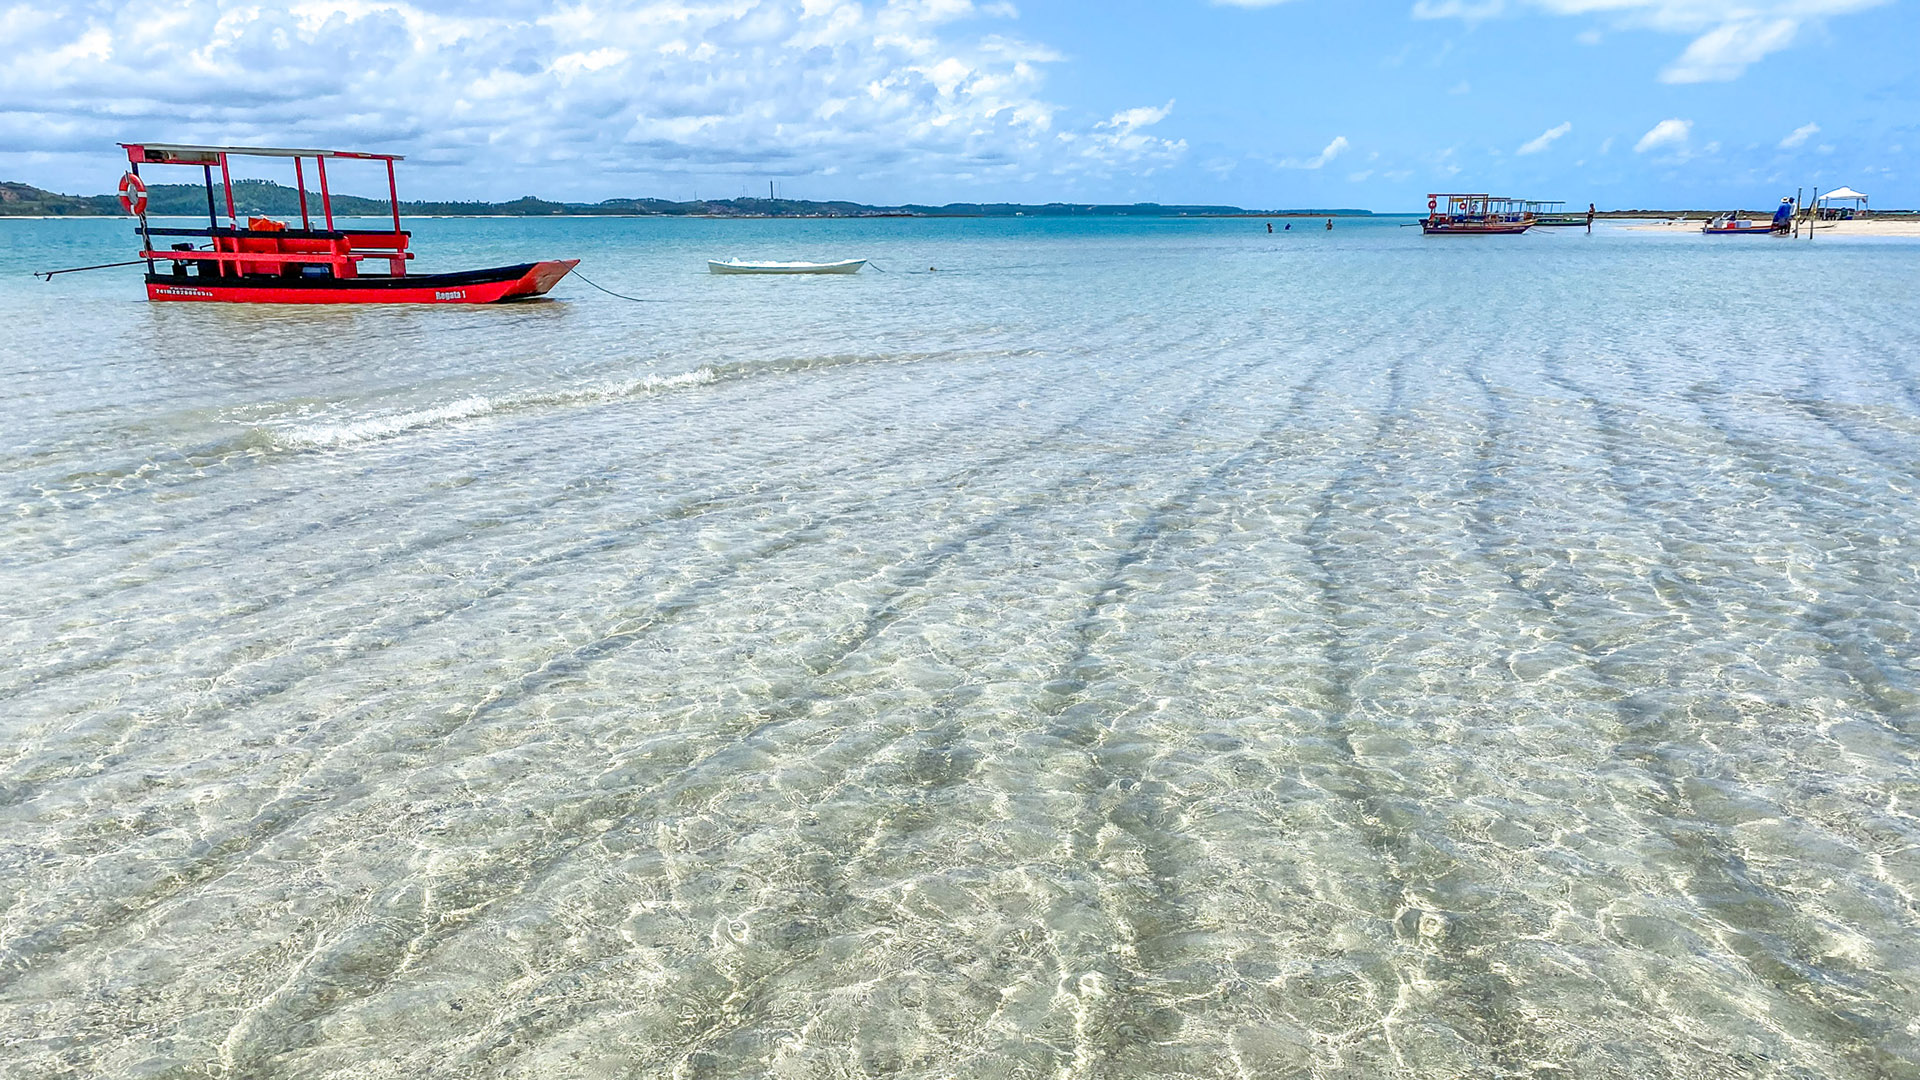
849, 266
1767, 230
490, 286
1455, 228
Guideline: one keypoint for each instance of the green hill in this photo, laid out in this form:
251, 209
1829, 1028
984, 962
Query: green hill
23, 200
268, 199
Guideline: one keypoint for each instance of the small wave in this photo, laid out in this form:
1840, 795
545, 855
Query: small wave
265, 439
323, 436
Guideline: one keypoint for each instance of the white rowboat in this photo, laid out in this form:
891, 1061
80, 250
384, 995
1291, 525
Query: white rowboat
736, 266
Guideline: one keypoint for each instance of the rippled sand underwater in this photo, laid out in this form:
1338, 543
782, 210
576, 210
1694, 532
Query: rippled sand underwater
1136, 651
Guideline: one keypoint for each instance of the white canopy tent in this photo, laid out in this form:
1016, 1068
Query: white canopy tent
1843, 194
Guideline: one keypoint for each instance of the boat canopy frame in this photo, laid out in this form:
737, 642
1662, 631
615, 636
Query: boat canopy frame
247, 249
1479, 206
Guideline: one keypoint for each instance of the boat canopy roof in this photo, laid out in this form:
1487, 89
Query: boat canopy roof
189, 154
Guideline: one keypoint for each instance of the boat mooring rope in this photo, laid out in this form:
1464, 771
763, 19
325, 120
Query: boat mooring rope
610, 292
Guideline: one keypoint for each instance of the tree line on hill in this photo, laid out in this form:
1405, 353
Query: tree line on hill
268, 199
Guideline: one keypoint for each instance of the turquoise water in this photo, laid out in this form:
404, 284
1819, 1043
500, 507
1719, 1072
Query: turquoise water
1136, 649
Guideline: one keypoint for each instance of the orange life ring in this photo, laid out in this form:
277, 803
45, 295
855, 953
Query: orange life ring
133, 195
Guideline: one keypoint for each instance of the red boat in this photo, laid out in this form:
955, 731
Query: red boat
268, 262
1475, 215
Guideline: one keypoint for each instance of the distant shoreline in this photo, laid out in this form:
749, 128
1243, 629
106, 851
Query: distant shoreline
1883, 222
405, 216
266, 198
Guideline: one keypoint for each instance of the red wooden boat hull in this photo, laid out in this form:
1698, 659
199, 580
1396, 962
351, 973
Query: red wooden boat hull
489, 286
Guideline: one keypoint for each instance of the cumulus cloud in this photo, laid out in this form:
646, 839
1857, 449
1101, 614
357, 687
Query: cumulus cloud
1728, 35
924, 90
1334, 149
1118, 140
1546, 138
1721, 54
1799, 136
1666, 133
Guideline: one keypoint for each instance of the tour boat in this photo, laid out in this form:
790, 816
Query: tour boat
1553, 214
1475, 215
737, 266
269, 262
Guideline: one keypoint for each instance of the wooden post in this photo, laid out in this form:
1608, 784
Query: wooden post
226, 180
300, 181
393, 196
397, 266
146, 241
326, 197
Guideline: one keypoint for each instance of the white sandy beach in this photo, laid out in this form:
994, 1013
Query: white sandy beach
1856, 227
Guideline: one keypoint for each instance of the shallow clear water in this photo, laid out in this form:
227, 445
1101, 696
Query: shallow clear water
1138, 649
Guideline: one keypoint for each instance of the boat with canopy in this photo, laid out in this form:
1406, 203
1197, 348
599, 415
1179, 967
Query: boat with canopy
322, 262
1475, 215
1553, 213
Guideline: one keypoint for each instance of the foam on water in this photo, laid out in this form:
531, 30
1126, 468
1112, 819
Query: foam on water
1169, 650
300, 436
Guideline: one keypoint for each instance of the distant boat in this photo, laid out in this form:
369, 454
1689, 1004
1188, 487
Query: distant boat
1733, 226
1553, 214
738, 266
1475, 215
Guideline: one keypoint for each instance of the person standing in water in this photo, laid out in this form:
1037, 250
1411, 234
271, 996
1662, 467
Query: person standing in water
1589, 219
1329, 224
1269, 228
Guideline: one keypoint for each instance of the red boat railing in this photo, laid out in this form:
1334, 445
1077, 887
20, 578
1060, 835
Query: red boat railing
275, 249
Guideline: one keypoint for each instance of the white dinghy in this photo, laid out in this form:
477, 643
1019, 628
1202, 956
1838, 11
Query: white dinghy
739, 266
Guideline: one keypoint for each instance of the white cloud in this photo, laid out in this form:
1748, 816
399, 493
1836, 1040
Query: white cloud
1721, 54
1457, 9
1728, 35
1334, 149
1546, 138
1663, 134
1118, 141
608, 96
1800, 135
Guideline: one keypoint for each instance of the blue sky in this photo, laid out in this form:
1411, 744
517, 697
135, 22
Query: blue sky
1628, 103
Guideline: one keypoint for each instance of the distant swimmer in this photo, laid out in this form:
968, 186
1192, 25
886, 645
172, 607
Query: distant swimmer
1289, 226
1269, 227
1329, 224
